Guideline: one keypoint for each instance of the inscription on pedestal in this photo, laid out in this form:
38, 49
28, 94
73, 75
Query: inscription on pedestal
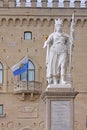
60, 115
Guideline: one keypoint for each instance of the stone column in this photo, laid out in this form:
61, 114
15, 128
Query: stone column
59, 107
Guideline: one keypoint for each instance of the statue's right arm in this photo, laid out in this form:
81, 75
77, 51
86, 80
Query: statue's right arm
48, 41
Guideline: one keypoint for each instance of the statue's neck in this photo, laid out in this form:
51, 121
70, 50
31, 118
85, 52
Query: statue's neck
59, 33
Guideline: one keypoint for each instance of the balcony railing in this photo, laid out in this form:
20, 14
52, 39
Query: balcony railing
27, 87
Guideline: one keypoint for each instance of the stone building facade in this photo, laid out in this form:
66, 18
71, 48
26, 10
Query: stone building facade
24, 26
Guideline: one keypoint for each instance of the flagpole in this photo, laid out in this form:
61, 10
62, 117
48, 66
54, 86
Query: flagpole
27, 71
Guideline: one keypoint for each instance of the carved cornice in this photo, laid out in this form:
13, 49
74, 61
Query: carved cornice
39, 21
59, 93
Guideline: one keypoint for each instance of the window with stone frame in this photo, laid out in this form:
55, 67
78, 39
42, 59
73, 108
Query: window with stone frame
86, 121
1, 73
1, 109
29, 75
27, 35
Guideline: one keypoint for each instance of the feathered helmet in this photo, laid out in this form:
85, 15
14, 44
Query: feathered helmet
58, 23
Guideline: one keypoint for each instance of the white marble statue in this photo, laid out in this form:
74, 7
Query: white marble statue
59, 51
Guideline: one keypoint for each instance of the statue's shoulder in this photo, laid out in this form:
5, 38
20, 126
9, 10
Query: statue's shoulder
51, 35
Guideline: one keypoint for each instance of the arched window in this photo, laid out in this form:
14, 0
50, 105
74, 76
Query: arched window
1, 73
29, 75
27, 35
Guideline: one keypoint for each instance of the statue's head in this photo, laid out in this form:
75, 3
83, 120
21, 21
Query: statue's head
58, 24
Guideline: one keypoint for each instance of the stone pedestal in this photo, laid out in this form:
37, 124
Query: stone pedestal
59, 101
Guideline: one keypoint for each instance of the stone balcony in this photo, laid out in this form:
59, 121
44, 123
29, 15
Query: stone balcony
27, 87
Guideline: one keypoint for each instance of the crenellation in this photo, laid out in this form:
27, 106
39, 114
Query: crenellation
34, 3
5, 3
86, 3
12, 3
55, 3
23, 3
44, 3
66, 3
1, 3
77, 3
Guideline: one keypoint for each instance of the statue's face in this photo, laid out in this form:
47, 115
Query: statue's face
59, 28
